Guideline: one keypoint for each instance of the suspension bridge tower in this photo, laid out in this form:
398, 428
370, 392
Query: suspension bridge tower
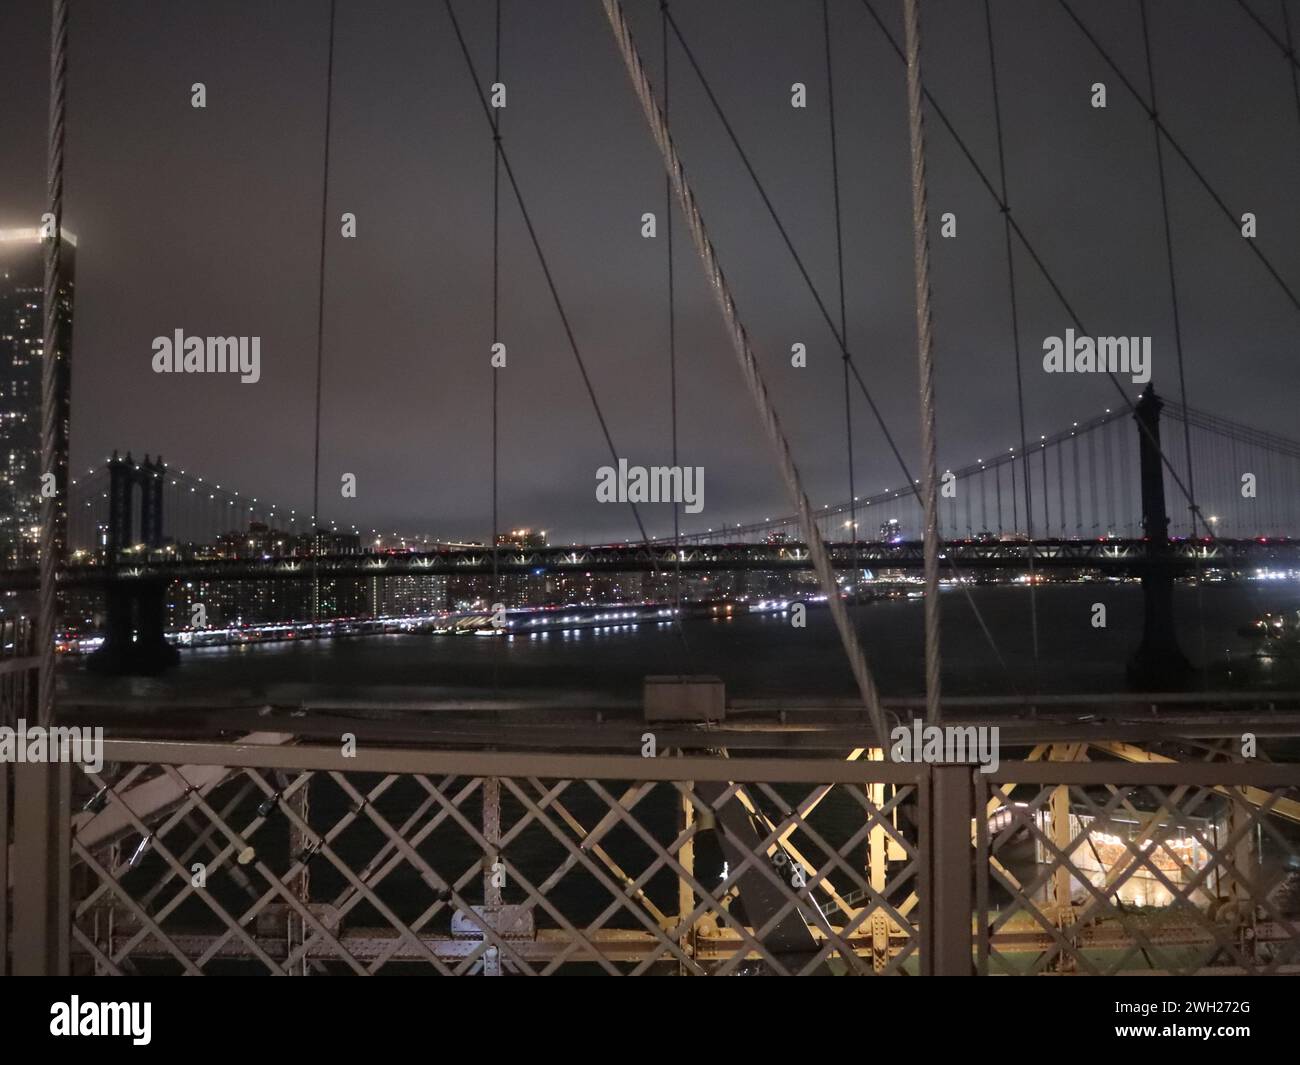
135, 641
1158, 663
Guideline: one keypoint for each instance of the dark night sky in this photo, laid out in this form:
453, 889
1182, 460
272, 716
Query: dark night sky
209, 221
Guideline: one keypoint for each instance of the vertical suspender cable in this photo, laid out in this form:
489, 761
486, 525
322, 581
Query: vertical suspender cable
1078, 486
1284, 43
1149, 107
492, 785
496, 266
925, 355
913, 484
1169, 259
1092, 475
496, 321
54, 442
1113, 438
997, 480
749, 367
1235, 497
320, 327
672, 342
1080, 327
1126, 486
1060, 487
1015, 322
1015, 495
508, 173
1047, 513
1193, 509
839, 267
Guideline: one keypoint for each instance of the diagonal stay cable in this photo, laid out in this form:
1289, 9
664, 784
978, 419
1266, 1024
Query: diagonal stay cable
1291, 51
1149, 108
1283, 46
789, 243
1033, 253
54, 458
912, 483
544, 263
748, 365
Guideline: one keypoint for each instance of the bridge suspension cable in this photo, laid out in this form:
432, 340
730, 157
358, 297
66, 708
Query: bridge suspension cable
925, 355
839, 259
53, 439
537, 248
1150, 109
1086, 508
320, 312
1283, 45
672, 333
1024, 240
1291, 51
544, 263
1015, 320
496, 316
496, 334
198, 511
748, 362
1173, 299
838, 335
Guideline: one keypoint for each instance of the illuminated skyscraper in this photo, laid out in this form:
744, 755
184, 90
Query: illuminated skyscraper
22, 299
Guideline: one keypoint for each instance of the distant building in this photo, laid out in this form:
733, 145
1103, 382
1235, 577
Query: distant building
22, 301
407, 596
262, 541
522, 538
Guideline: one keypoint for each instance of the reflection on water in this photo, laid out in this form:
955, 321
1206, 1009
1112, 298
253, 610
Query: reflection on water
754, 655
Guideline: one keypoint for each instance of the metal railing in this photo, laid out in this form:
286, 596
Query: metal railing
1172, 868
208, 857
269, 856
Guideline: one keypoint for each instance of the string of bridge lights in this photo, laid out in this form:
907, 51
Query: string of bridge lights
234, 496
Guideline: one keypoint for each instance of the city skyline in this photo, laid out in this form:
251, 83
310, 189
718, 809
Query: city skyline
789, 581
219, 237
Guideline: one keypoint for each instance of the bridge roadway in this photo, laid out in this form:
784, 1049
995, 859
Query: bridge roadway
1110, 556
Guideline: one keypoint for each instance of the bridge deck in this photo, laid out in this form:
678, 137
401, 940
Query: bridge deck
1111, 556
